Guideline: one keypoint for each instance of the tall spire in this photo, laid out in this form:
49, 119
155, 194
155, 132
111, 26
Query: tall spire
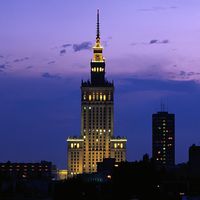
98, 33
98, 49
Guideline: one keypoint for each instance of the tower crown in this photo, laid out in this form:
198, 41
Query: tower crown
98, 61
97, 48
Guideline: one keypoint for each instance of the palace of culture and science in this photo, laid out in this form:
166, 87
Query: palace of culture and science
96, 141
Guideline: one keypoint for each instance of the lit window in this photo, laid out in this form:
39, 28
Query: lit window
97, 69
94, 69
109, 177
115, 145
77, 145
90, 97
72, 145
104, 97
100, 97
121, 145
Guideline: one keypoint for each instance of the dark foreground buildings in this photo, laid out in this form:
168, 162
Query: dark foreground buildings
194, 160
163, 139
20, 181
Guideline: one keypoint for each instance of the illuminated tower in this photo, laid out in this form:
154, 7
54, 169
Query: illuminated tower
163, 139
97, 116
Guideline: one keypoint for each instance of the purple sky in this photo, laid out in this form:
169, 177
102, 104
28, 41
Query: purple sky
152, 53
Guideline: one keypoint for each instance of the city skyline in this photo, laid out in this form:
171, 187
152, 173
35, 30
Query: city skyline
43, 61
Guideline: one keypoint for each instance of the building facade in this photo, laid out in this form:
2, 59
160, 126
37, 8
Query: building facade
163, 139
42, 170
97, 120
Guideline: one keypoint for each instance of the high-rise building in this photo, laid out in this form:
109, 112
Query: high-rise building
163, 139
97, 116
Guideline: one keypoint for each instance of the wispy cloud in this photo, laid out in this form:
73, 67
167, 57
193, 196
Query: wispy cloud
66, 45
51, 76
157, 8
29, 67
51, 62
82, 46
62, 52
21, 59
155, 41
2, 66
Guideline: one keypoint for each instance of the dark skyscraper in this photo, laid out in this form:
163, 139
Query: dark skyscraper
163, 138
97, 120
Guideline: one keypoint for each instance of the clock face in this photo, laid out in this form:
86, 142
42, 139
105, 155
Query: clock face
97, 57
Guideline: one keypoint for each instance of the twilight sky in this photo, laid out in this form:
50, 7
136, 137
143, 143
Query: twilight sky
152, 54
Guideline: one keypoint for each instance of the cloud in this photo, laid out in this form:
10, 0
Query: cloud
188, 75
63, 51
165, 41
83, 46
29, 67
157, 8
1, 56
155, 41
66, 45
2, 66
21, 59
182, 73
51, 76
87, 45
51, 62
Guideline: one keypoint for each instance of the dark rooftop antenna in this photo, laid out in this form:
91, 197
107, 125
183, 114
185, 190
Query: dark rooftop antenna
162, 105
